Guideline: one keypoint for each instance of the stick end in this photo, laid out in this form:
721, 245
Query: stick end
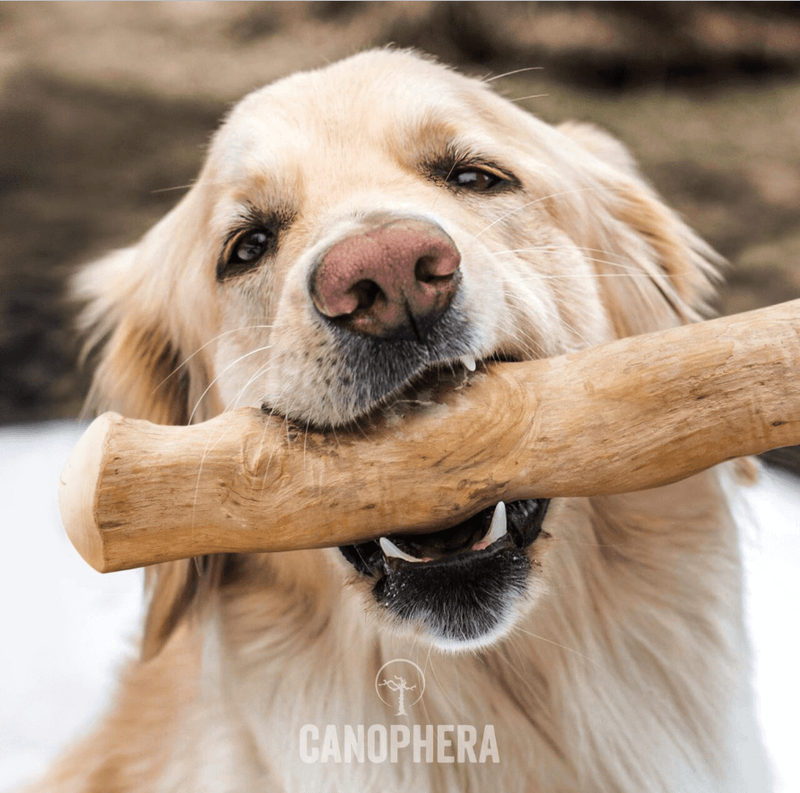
77, 491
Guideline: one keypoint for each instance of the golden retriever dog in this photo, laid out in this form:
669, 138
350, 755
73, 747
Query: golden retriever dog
356, 234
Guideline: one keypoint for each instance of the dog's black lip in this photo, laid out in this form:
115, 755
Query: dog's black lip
462, 559
525, 520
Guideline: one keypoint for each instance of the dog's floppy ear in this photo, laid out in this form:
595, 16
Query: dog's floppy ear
138, 370
133, 335
603, 145
655, 271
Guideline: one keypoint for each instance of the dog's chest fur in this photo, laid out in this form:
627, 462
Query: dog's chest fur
582, 698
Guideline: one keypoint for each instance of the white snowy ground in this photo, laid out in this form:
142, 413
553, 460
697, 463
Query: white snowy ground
64, 629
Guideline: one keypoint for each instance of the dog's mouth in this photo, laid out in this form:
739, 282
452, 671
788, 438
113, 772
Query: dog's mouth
461, 585
501, 528
498, 528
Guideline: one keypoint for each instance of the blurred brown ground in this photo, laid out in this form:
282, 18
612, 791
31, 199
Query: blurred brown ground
105, 109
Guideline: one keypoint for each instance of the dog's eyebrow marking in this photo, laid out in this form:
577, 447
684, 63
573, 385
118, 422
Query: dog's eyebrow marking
253, 216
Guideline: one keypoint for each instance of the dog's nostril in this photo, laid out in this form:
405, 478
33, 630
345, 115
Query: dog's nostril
427, 270
366, 292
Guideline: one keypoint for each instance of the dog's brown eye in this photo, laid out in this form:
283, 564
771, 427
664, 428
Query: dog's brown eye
245, 251
475, 179
250, 247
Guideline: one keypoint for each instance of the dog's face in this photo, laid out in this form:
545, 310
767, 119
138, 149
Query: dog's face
362, 231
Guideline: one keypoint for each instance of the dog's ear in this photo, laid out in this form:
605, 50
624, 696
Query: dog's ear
603, 145
655, 271
133, 336
138, 368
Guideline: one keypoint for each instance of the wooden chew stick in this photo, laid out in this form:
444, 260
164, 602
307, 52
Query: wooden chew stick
619, 417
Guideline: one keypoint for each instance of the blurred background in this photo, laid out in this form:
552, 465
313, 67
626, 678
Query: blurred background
105, 109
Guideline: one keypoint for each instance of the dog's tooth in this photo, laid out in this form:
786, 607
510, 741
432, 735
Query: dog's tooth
499, 526
390, 549
469, 362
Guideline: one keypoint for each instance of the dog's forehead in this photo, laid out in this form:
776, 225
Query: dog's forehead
363, 102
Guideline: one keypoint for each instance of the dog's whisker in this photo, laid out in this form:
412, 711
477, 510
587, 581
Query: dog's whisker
207, 344
515, 642
196, 183
264, 433
589, 544
520, 629
261, 371
227, 368
530, 96
336, 437
591, 276
554, 315
276, 440
433, 203
534, 346
349, 650
539, 200
211, 443
356, 423
305, 441
456, 706
508, 74
172, 189
635, 271
569, 248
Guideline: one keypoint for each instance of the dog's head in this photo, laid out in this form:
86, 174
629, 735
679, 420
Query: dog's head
358, 232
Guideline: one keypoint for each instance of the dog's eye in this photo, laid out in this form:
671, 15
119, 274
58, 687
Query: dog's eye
251, 246
245, 251
475, 179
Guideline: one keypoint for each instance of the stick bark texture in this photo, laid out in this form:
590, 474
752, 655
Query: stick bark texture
623, 416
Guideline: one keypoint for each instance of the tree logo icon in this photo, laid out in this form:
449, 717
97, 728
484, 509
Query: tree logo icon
400, 684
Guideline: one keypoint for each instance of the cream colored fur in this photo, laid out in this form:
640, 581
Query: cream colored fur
626, 670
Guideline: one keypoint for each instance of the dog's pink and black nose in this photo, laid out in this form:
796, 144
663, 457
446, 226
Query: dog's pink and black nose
392, 280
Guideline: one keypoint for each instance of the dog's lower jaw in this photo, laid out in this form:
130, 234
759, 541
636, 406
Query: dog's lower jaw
461, 606
460, 588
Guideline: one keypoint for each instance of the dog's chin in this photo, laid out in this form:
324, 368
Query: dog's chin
460, 588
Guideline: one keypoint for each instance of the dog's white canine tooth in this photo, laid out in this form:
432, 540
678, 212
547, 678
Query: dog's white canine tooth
469, 362
390, 549
499, 525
